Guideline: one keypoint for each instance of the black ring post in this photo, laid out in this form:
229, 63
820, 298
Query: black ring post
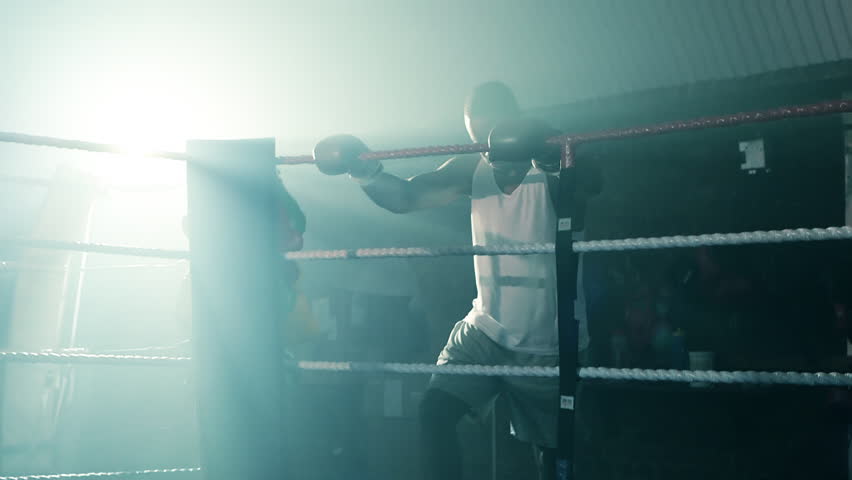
235, 314
566, 279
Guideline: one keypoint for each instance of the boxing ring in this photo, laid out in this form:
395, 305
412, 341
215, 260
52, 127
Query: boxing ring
231, 186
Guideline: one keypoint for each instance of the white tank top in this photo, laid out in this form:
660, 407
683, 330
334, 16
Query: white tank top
516, 302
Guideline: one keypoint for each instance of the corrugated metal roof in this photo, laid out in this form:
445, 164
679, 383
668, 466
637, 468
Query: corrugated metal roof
621, 46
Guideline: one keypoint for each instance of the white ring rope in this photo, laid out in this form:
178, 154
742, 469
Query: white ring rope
816, 379
829, 379
137, 473
96, 248
29, 267
41, 141
519, 249
714, 239
429, 368
679, 241
92, 358
833, 379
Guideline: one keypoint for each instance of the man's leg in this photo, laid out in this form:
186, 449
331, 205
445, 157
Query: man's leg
450, 397
440, 413
534, 410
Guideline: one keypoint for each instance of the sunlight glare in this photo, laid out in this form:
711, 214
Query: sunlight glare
143, 112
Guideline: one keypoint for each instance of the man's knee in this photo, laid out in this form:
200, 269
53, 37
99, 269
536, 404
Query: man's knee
440, 410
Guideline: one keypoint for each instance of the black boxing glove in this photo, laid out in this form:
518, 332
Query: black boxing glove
524, 140
341, 154
549, 158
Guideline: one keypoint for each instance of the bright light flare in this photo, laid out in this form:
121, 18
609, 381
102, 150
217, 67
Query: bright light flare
144, 112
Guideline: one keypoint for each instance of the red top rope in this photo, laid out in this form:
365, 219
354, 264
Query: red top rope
814, 109
823, 108
40, 141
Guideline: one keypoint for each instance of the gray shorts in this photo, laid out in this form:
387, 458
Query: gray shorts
533, 401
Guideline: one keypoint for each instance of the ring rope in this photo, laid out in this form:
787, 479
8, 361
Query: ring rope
715, 239
96, 248
432, 151
42, 141
402, 153
68, 144
832, 379
92, 358
295, 159
137, 473
26, 267
677, 241
823, 108
780, 113
829, 379
429, 368
519, 249
816, 379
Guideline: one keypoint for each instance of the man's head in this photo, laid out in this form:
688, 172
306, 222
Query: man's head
487, 105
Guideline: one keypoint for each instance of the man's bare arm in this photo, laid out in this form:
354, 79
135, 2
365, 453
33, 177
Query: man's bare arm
448, 183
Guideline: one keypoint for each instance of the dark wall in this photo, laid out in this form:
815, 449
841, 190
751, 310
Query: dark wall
756, 307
